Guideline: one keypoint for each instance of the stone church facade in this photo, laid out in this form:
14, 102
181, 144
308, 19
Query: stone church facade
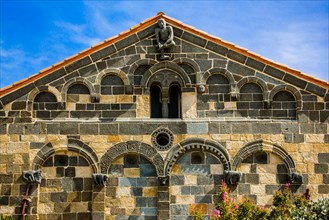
119, 131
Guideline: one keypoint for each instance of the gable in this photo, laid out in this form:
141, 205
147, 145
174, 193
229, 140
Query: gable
126, 49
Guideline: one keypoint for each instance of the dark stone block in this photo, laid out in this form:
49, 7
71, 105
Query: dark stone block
321, 168
59, 171
274, 72
61, 160
194, 39
69, 128
108, 129
136, 191
236, 56
103, 53
70, 172
295, 80
323, 189
203, 199
18, 105
90, 129
197, 190
69, 216
282, 178
4, 200
240, 69
316, 89
147, 170
73, 161
255, 64
82, 161
243, 189
58, 197
148, 31
281, 169
84, 216
216, 48
252, 178
85, 114
88, 70
77, 184
323, 157
43, 114
325, 178
177, 180
86, 196
50, 77
182, 210
270, 189
324, 116
126, 42
185, 190
146, 202
16, 94
78, 64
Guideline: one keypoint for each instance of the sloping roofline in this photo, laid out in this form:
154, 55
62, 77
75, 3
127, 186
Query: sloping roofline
142, 26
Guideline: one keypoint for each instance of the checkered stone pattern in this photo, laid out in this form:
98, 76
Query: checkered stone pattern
194, 183
132, 189
66, 187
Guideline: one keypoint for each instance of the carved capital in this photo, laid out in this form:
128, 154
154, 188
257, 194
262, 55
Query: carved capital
232, 177
95, 97
201, 89
163, 180
296, 178
100, 179
32, 176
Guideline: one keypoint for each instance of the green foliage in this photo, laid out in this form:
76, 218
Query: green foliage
286, 206
320, 209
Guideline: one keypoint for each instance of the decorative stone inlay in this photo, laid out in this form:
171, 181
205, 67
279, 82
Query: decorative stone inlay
296, 178
197, 144
100, 179
132, 147
232, 177
162, 139
261, 145
32, 176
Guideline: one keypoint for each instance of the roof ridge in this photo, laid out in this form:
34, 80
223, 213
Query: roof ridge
143, 25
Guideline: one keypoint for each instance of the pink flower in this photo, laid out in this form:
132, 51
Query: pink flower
217, 213
286, 186
236, 206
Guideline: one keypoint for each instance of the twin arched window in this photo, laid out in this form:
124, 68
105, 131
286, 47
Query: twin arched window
165, 103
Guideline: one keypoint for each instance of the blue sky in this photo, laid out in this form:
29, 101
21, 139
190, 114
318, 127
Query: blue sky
37, 34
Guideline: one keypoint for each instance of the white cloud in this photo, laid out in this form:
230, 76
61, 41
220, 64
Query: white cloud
78, 33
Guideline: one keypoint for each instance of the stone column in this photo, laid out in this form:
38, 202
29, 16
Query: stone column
165, 111
163, 198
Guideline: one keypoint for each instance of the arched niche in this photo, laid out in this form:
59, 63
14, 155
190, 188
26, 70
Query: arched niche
260, 145
132, 147
73, 145
166, 71
197, 144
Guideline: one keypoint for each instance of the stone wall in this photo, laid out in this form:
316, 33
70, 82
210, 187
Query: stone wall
93, 117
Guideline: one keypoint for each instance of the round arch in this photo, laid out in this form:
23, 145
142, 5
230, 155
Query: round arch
135, 65
197, 144
134, 147
173, 67
49, 89
265, 146
74, 145
77, 80
287, 88
223, 72
258, 81
113, 71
